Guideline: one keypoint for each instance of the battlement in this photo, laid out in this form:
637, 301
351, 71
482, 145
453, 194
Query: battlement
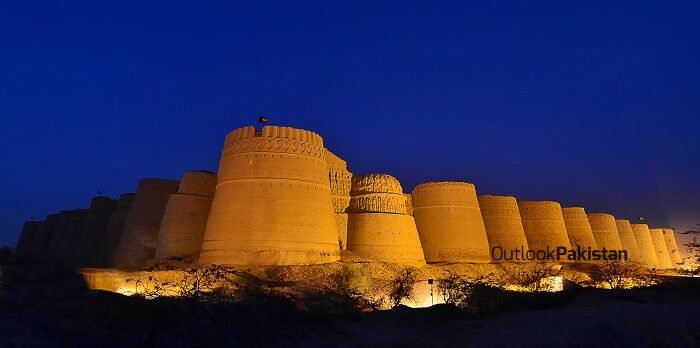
375, 183
275, 132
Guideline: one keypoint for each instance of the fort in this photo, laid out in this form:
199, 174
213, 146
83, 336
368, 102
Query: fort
281, 198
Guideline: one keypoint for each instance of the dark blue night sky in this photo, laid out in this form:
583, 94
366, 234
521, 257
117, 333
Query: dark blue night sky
593, 104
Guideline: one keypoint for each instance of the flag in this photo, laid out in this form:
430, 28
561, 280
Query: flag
262, 119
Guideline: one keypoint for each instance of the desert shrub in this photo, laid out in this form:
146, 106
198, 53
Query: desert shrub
465, 293
401, 286
693, 258
530, 277
623, 275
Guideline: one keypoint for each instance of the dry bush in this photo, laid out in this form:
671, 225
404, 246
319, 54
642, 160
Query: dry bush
530, 276
401, 287
693, 258
623, 275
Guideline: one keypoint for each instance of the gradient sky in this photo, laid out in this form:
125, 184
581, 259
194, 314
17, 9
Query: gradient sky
593, 104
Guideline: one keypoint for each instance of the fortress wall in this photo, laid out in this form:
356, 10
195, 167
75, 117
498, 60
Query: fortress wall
605, 231
544, 225
449, 222
578, 228
646, 246
629, 243
672, 246
185, 219
113, 232
504, 227
140, 235
409, 204
26, 237
340, 182
95, 227
59, 232
272, 204
42, 238
379, 228
68, 247
657, 238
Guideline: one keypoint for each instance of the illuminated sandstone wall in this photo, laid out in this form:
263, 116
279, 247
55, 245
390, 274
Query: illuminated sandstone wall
273, 202
101, 208
340, 181
113, 232
42, 239
504, 227
59, 231
409, 204
578, 228
646, 246
69, 246
628, 241
182, 229
657, 238
605, 231
378, 226
672, 246
140, 235
449, 222
544, 225
26, 238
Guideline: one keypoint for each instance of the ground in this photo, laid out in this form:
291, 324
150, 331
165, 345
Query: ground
49, 306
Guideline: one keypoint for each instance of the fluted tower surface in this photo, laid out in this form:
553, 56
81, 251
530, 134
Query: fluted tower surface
672, 246
59, 232
42, 238
646, 246
113, 233
605, 231
657, 237
26, 237
138, 241
449, 222
340, 181
101, 208
185, 219
544, 225
578, 228
378, 226
629, 242
272, 204
504, 227
68, 248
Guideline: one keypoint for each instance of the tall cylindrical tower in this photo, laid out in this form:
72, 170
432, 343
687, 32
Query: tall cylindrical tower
138, 241
409, 203
605, 231
101, 208
185, 219
629, 243
504, 226
59, 232
578, 228
378, 226
544, 225
449, 222
672, 246
646, 246
26, 237
657, 238
113, 232
69, 246
42, 239
273, 202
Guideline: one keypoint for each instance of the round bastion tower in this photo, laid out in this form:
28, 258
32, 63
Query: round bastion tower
379, 227
272, 204
449, 222
645, 244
